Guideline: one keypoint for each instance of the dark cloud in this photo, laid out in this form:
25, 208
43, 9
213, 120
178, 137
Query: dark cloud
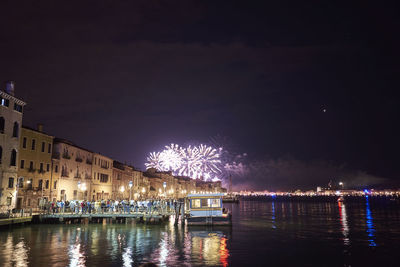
128, 77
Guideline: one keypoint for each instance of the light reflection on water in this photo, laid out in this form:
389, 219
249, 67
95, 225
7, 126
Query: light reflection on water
369, 223
260, 229
343, 222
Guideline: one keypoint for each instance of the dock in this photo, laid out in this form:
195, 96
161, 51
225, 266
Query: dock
17, 220
100, 217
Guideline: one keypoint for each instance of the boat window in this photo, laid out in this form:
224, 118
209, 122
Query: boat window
195, 203
214, 202
204, 202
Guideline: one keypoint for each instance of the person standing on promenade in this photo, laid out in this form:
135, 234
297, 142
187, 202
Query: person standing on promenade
72, 206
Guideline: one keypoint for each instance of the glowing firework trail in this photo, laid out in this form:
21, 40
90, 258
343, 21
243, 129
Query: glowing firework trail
153, 161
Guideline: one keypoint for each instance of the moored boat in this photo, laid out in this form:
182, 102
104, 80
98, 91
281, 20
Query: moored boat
207, 209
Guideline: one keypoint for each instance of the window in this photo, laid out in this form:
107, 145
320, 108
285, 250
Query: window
103, 178
204, 202
56, 168
5, 102
10, 182
30, 182
24, 142
49, 149
2, 125
13, 159
17, 107
1, 153
21, 182
43, 146
9, 200
15, 129
22, 165
40, 184
47, 167
33, 147
196, 203
29, 202
214, 203
47, 184
31, 165
55, 185
41, 167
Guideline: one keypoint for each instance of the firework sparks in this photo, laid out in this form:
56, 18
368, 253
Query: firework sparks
196, 162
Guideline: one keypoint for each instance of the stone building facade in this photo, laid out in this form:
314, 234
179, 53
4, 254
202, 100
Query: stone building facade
72, 169
35, 181
11, 111
102, 170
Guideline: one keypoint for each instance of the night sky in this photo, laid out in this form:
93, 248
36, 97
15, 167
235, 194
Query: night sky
307, 89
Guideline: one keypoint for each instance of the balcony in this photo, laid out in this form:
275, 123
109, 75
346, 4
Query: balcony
89, 161
66, 156
77, 175
55, 155
31, 170
64, 174
78, 159
41, 171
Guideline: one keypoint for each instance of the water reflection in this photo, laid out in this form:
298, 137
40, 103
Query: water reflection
370, 224
273, 215
344, 223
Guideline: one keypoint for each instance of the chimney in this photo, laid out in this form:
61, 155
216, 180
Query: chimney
10, 87
40, 127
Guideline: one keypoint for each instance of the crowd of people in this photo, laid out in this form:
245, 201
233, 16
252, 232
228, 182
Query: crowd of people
110, 206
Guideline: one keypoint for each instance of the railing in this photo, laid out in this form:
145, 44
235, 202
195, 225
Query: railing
89, 161
66, 156
56, 155
78, 159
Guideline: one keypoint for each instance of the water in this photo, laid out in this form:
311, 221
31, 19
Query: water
264, 233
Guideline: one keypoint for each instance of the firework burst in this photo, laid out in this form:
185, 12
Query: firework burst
193, 161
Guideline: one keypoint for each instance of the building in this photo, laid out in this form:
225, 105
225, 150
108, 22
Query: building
72, 168
11, 111
34, 173
102, 169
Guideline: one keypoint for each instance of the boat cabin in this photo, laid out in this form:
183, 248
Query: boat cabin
205, 205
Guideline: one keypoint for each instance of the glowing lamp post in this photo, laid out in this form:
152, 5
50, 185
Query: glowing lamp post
122, 190
130, 190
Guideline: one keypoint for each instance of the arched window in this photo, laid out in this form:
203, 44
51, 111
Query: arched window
1, 125
15, 129
1, 154
13, 160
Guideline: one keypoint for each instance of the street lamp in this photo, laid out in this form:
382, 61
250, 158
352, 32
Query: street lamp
122, 189
164, 185
130, 190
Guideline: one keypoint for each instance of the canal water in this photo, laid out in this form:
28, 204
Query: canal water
264, 233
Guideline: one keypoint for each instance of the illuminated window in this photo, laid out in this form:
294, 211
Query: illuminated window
204, 202
5, 102
196, 203
214, 203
